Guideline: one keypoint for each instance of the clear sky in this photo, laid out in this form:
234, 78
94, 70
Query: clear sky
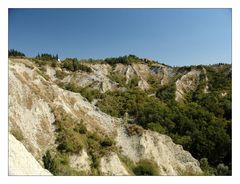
172, 36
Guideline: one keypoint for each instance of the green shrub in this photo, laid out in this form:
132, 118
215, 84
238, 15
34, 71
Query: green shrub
157, 127
154, 82
73, 65
206, 168
50, 163
90, 93
106, 142
123, 59
134, 130
46, 59
146, 168
60, 74
222, 170
80, 128
69, 141
133, 82
129, 164
166, 93
69, 138
118, 78
58, 164
72, 87
72, 137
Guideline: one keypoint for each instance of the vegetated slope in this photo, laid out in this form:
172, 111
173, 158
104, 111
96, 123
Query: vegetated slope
70, 136
192, 105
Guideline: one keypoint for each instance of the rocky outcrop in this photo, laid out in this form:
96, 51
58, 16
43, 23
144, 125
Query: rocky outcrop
206, 79
170, 158
112, 166
80, 162
187, 83
29, 108
22, 162
33, 97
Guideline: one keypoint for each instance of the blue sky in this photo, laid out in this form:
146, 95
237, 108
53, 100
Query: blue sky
172, 36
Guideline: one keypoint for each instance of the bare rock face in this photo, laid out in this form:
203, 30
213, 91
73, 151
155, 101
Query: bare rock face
206, 79
112, 166
80, 161
99, 78
125, 70
143, 85
170, 158
187, 83
32, 99
29, 109
21, 162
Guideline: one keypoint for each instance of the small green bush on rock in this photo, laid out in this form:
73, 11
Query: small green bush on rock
146, 168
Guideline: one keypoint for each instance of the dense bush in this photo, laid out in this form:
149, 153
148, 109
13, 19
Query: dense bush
89, 93
207, 170
166, 93
73, 65
133, 82
134, 130
146, 168
68, 137
47, 57
223, 170
15, 53
58, 164
220, 78
123, 59
118, 78
202, 125
71, 137
60, 74
154, 82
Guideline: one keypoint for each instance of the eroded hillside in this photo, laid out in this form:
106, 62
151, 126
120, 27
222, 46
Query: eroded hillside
35, 102
74, 119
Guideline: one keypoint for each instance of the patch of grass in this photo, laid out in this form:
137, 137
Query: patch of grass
17, 133
80, 128
45, 76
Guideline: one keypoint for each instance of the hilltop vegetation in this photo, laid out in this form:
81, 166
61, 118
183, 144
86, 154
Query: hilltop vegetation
15, 53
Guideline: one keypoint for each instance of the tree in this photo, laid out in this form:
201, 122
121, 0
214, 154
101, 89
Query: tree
222, 170
15, 53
